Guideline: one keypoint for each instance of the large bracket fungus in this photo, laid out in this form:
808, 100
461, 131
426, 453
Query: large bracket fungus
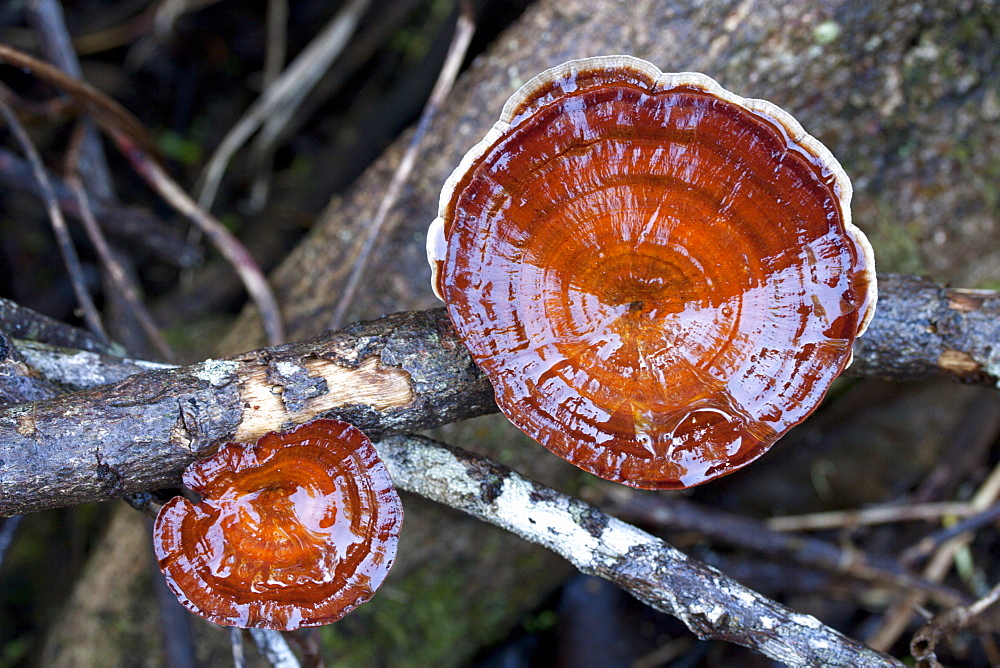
659, 277
295, 530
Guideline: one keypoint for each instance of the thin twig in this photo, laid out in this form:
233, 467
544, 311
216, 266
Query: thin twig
898, 617
135, 225
130, 29
274, 60
46, 16
370, 37
230, 247
277, 43
135, 144
284, 94
63, 238
464, 29
847, 519
109, 115
164, 18
117, 274
236, 642
928, 544
274, 648
946, 624
970, 440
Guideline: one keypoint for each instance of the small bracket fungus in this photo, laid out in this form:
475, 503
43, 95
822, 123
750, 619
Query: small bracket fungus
295, 530
659, 277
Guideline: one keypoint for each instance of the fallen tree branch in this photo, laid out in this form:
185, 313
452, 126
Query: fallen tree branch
402, 373
922, 329
23, 323
708, 602
409, 371
399, 374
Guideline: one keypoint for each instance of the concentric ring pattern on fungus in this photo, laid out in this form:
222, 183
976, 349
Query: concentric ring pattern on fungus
294, 530
659, 277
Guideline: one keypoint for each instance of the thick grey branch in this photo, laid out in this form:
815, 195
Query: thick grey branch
709, 603
923, 329
399, 374
394, 375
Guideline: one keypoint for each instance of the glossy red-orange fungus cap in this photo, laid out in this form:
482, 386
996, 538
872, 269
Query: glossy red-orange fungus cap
659, 277
295, 530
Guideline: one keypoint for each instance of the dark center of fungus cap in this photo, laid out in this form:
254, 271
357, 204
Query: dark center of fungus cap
295, 530
659, 277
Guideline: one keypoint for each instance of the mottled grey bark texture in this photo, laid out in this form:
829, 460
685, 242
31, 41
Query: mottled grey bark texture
389, 376
23, 323
922, 329
80, 369
19, 381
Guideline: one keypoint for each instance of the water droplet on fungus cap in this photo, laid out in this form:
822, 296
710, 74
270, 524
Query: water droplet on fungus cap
295, 530
659, 277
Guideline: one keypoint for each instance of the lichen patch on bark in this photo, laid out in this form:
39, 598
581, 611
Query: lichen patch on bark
215, 372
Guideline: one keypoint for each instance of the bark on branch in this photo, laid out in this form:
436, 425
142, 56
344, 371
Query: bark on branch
399, 374
922, 329
391, 376
709, 603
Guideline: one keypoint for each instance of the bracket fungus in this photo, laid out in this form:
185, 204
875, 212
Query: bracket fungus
659, 277
295, 530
